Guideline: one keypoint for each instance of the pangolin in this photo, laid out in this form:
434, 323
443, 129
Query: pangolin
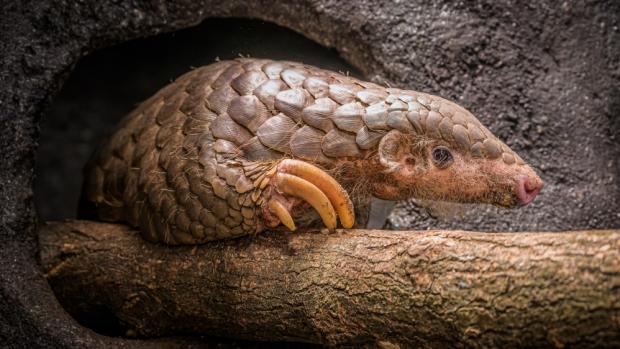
241, 146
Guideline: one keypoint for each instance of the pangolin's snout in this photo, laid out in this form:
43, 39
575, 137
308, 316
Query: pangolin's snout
527, 187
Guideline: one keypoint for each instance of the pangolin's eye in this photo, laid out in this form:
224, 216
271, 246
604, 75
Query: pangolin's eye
442, 157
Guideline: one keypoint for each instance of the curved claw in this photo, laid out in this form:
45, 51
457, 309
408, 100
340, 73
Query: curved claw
303, 189
338, 197
282, 213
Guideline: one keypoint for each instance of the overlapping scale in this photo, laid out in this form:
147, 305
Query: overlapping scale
267, 91
306, 144
338, 143
294, 77
226, 128
276, 132
247, 82
319, 114
291, 102
348, 117
248, 111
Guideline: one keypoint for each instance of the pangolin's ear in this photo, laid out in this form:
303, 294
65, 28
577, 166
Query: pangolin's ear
393, 150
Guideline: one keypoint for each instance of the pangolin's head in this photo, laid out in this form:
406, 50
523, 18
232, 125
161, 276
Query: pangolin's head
445, 153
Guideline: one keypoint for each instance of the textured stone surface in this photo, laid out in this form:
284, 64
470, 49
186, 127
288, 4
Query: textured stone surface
544, 77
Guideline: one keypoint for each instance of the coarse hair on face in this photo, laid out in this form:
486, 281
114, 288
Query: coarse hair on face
410, 165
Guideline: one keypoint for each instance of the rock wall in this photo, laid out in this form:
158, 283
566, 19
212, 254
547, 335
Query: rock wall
543, 76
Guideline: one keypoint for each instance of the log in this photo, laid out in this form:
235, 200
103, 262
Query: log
353, 288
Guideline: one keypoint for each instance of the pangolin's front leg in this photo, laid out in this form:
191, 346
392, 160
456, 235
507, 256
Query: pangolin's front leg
221, 195
283, 187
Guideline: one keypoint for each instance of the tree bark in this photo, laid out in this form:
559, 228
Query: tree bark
432, 289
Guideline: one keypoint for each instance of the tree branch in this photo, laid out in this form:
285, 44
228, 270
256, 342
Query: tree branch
431, 289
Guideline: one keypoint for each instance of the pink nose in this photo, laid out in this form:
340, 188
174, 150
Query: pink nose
528, 188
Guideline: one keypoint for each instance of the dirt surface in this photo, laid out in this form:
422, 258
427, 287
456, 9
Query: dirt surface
543, 76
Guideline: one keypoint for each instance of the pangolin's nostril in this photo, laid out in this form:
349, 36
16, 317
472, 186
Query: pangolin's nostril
532, 186
527, 189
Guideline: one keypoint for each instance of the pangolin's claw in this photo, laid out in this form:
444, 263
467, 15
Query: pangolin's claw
306, 182
282, 213
336, 194
298, 187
